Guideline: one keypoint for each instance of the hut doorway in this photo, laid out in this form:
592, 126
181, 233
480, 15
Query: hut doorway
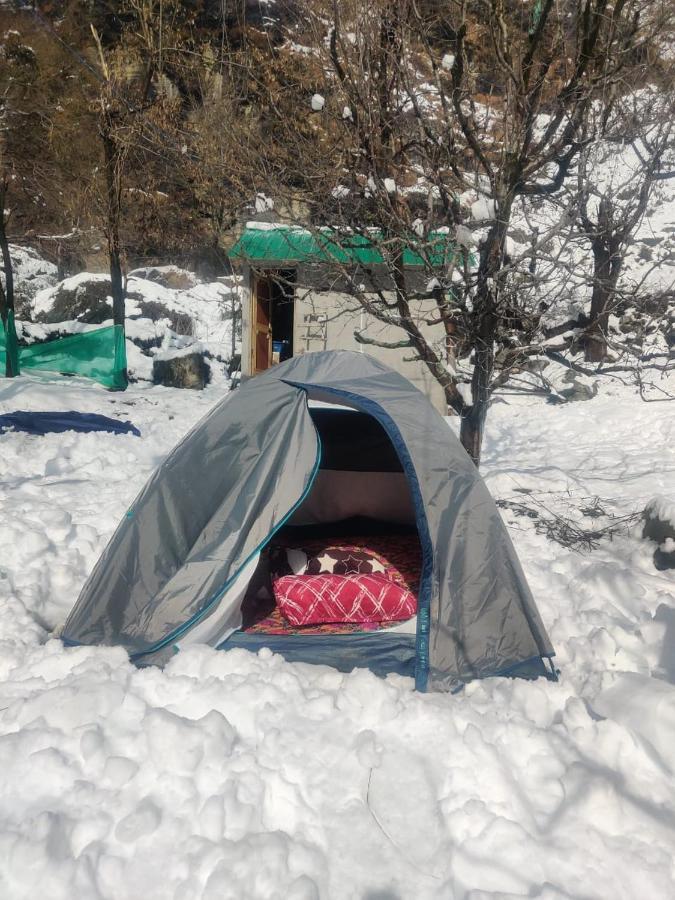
273, 299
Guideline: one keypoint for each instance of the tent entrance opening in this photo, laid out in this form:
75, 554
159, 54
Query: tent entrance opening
358, 519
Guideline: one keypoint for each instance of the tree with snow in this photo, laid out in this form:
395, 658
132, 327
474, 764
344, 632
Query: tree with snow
457, 113
616, 180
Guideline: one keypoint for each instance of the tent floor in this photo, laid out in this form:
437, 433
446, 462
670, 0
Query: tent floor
382, 651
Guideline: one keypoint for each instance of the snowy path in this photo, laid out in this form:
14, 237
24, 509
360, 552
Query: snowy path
234, 776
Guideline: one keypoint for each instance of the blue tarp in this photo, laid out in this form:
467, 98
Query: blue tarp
55, 422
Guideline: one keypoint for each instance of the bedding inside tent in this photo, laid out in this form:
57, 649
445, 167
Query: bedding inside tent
360, 507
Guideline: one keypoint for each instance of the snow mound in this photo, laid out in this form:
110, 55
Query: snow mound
646, 707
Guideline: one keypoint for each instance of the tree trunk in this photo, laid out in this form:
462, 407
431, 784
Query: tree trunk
113, 176
607, 263
233, 336
486, 312
471, 432
595, 342
6, 295
117, 283
473, 419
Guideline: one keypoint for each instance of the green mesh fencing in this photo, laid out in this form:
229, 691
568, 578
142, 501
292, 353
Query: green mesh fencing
99, 355
9, 345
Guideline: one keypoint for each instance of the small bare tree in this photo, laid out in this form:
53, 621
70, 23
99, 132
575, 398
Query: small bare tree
126, 95
111, 113
7, 291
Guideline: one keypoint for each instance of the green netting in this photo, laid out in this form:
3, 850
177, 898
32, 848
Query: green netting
9, 345
99, 355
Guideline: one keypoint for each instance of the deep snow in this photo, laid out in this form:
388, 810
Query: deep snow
229, 775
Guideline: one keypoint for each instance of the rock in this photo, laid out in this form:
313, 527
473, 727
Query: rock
167, 276
180, 322
85, 297
187, 370
659, 526
665, 559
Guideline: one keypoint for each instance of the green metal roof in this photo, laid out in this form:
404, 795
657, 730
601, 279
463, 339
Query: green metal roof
286, 243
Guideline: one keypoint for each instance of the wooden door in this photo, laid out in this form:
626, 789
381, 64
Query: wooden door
262, 324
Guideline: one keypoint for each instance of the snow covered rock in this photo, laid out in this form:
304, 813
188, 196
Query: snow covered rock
156, 311
32, 273
201, 310
85, 297
181, 369
659, 526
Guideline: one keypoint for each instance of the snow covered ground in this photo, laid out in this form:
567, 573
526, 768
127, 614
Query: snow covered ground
229, 775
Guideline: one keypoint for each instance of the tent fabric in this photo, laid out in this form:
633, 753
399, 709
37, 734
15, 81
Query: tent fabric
56, 422
208, 508
99, 354
241, 473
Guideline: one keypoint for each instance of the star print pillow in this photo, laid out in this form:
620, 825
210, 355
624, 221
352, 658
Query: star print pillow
335, 559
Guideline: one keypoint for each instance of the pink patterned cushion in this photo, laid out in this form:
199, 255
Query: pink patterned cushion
313, 599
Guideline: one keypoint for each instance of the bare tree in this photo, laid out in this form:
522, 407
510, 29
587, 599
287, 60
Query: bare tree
7, 292
110, 115
125, 97
423, 111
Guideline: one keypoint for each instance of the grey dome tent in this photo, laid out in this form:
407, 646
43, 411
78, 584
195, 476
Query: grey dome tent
181, 560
